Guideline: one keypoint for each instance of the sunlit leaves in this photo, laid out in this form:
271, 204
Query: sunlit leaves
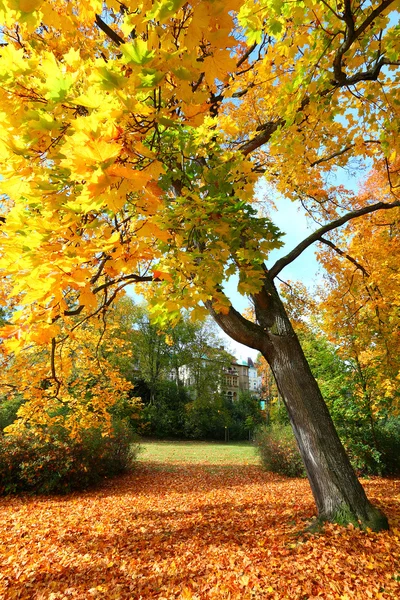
137, 52
360, 301
125, 146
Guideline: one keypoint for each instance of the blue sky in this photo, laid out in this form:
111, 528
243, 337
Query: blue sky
292, 221
305, 268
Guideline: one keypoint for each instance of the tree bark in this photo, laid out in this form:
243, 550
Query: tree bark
338, 494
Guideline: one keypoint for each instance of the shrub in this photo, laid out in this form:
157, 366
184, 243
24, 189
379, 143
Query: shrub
56, 463
388, 440
165, 417
373, 451
278, 450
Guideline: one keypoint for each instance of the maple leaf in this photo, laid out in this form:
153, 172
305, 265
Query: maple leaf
138, 138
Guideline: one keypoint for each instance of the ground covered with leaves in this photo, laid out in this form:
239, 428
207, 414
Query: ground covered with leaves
194, 530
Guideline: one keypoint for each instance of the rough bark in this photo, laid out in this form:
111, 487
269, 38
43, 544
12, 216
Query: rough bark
338, 494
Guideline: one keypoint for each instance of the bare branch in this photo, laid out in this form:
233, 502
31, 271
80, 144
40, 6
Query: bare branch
314, 237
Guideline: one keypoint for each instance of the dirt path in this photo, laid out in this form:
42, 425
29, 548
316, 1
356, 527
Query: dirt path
193, 532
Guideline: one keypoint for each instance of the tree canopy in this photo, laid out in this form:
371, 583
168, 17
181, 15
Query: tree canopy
134, 136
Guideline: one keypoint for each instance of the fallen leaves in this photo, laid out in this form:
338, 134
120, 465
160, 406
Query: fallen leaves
194, 532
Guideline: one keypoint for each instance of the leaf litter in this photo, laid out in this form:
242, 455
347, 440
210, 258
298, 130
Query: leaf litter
194, 532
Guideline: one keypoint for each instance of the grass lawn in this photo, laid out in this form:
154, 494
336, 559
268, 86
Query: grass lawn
231, 453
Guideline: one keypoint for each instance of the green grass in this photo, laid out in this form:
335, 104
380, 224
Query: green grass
198, 452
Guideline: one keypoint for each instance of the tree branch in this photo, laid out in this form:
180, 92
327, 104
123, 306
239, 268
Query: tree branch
108, 31
135, 278
262, 138
369, 20
125, 279
314, 237
342, 253
340, 152
246, 55
238, 328
53, 367
351, 36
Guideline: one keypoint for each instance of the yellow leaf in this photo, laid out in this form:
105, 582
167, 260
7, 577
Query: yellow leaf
137, 179
87, 298
28, 6
151, 229
98, 151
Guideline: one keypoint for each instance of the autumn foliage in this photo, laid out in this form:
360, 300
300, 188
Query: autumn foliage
194, 532
360, 301
134, 137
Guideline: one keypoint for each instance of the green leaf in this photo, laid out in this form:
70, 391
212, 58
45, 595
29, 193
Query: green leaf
150, 78
110, 79
58, 88
163, 10
275, 28
137, 52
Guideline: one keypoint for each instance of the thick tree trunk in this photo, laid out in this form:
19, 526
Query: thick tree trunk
338, 494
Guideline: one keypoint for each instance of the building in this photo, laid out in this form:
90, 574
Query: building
255, 380
239, 376
235, 379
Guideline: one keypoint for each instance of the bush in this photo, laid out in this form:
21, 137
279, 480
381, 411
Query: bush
388, 440
164, 418
373, 451
278, 451
207, 417
56, 463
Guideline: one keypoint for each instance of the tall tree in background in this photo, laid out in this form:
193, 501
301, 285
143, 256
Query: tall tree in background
133, 136
360, 304
157, 354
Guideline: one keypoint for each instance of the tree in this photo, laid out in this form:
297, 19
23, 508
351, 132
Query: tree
133, 138
169, 367
150, 350
89, 387
360, 302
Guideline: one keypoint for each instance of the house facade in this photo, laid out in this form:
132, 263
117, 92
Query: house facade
235, 379
239, 376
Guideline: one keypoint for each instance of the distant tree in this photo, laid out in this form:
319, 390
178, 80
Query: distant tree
360, 302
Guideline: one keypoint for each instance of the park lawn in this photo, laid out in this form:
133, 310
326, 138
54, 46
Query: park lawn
194, 530
235, 453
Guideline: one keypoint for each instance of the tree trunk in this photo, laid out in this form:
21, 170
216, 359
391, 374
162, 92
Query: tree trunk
338, 494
